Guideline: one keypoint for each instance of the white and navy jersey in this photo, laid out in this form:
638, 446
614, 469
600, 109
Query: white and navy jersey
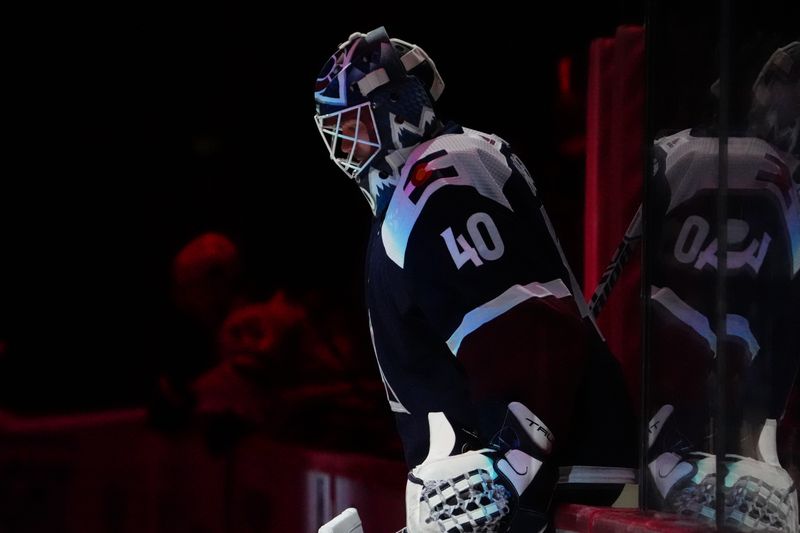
763, 259
467, 282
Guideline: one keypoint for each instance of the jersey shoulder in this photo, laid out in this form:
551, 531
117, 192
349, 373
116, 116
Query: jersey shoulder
470, 159
690, 164
756, 170
686, 148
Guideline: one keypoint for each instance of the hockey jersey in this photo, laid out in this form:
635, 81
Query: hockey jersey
471, 301
763, 261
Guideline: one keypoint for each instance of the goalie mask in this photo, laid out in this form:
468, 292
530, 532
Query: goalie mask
775, 110
374, 102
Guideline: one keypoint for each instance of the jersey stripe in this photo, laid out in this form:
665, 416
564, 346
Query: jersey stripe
580, 301
496, 307
394, 402
736, 325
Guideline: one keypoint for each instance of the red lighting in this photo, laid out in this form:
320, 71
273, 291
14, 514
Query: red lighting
565, 75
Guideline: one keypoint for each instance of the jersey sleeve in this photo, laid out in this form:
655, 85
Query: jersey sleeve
763, 228
480, 245
486, 276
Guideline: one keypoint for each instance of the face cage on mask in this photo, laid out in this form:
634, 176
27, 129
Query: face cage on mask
333, 137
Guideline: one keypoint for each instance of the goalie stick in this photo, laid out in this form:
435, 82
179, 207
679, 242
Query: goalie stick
621, 256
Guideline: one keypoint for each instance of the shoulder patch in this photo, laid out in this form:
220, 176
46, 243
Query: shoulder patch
422, 174
670, 143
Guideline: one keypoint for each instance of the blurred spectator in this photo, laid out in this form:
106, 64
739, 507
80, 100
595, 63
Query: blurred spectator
206, 278
237, 366
206, 283
284, 362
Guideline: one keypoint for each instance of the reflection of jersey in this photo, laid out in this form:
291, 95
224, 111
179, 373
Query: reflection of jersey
464, 247
763, 257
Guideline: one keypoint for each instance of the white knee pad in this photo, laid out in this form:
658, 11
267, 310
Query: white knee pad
455, 493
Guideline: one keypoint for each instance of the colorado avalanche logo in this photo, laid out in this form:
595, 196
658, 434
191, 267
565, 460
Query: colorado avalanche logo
423, 173
332, 67
331, 86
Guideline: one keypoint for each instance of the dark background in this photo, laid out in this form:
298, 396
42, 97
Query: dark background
135, 130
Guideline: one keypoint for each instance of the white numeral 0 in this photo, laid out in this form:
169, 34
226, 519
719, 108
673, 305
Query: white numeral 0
497, 248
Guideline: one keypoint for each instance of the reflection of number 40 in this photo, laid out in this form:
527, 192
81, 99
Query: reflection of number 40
462, 251
694, 233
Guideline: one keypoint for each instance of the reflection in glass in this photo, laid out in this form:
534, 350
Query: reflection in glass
761, 339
